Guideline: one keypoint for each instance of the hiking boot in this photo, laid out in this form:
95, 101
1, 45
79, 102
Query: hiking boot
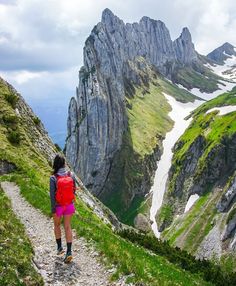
60, 251
68, 257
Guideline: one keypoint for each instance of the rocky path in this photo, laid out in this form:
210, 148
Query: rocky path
85, 269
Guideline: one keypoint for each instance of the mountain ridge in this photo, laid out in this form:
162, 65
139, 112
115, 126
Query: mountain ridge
124, 63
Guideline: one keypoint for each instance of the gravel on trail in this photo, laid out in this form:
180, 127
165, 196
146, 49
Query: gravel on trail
85, 268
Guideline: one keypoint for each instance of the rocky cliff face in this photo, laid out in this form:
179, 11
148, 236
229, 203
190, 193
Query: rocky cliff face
222, 53
184, 48
98, 115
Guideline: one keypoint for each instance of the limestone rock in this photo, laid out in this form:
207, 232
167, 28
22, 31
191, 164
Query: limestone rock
6, 167
142, 223
184, 48
227, 197
229, 228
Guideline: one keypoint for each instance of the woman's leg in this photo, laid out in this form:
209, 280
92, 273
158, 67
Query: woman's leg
67, 226
57, 226
68, 232
57, 232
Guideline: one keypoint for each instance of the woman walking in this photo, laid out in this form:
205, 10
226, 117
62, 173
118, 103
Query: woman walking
62, 194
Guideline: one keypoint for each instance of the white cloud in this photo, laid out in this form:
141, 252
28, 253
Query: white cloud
41, 42
21, 77
49, 35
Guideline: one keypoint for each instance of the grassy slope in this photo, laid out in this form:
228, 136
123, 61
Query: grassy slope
148, 119
214, 128
31, 176
15, 249
205, 81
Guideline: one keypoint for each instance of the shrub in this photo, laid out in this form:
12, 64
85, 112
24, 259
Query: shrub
14, 137
12, 99
57, 147
10, 119
36, 120
208, 270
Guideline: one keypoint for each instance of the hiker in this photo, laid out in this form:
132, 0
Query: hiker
62, 194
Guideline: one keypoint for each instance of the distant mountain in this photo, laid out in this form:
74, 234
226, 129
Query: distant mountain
222, 53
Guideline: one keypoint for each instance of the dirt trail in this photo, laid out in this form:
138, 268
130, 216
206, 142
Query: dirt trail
85, 268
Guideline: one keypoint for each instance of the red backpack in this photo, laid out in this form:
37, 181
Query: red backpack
65, 190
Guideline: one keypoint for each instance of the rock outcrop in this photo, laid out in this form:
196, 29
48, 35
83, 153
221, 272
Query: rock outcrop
97, 116
184, 48
192, 179
228, 197
6, 167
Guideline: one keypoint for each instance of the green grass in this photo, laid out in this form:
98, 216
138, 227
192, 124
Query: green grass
231, 214
228, 262
16, 251
179, 94
173, 232
214, 128
148, 119
202, 226
189, 78
211, 272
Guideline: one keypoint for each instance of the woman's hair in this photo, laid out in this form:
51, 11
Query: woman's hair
59, 162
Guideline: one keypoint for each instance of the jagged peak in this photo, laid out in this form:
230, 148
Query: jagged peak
185, 35
108, 16
146, 19
107, 13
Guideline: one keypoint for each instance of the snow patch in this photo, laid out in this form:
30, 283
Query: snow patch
192, 199
225, 86
225, 69
223, 110
181, 86
178, 113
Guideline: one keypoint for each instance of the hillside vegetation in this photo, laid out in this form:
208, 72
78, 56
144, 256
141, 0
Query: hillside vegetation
203, 163
16, 251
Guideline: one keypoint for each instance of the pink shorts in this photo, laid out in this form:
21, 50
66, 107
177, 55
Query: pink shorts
65, 210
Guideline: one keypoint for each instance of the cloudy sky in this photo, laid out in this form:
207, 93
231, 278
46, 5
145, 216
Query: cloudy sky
41, 42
